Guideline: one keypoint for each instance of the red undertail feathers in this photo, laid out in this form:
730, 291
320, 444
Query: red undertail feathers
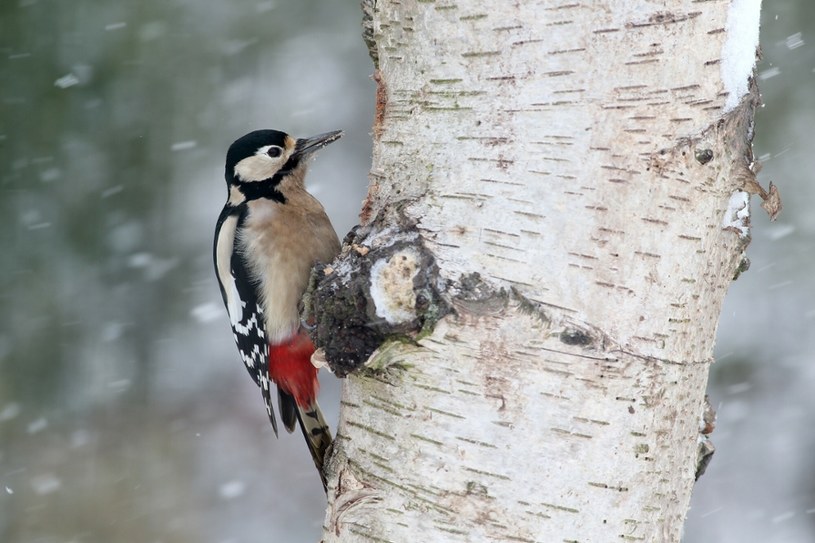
291, 368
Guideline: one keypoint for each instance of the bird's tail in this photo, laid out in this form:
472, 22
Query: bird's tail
296, 377
317, 434
313, 425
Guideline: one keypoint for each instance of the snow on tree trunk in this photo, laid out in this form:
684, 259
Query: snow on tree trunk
556, 201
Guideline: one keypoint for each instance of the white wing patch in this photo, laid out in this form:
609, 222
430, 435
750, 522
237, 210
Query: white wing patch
234, 304
223, 260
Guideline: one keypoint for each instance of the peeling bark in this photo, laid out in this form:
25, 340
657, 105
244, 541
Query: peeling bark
527, 314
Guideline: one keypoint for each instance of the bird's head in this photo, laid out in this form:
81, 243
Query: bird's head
258, 163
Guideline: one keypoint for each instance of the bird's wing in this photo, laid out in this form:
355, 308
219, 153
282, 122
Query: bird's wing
240, 294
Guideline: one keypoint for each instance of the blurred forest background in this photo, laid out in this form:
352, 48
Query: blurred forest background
125, 414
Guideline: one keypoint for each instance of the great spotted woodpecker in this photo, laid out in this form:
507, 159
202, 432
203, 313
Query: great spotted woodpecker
269, 235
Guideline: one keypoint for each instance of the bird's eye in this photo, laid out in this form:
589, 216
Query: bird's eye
274, 151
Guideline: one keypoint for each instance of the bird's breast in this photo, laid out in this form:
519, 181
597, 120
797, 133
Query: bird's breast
281, 242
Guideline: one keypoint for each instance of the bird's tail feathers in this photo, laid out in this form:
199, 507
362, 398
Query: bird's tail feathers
288, 409
317, 434
265, 388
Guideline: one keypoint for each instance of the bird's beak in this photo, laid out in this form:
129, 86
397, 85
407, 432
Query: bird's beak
306, 146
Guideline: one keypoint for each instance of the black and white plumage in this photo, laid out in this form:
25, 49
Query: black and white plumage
240, 294
269, 235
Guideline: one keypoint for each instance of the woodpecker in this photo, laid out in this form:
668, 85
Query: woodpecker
269, 235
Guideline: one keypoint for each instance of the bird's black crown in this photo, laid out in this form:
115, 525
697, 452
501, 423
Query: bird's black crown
247, 145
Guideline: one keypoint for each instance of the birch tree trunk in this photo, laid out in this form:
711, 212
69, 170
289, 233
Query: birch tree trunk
558, 202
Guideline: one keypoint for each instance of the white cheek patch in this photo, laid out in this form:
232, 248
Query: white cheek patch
260, 166
255, 168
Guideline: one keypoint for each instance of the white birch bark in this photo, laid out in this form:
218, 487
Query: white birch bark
577, 156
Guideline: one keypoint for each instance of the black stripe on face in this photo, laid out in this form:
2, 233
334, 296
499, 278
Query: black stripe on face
290, 165
263, 189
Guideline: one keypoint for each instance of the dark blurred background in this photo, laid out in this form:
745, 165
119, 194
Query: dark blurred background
125, 415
